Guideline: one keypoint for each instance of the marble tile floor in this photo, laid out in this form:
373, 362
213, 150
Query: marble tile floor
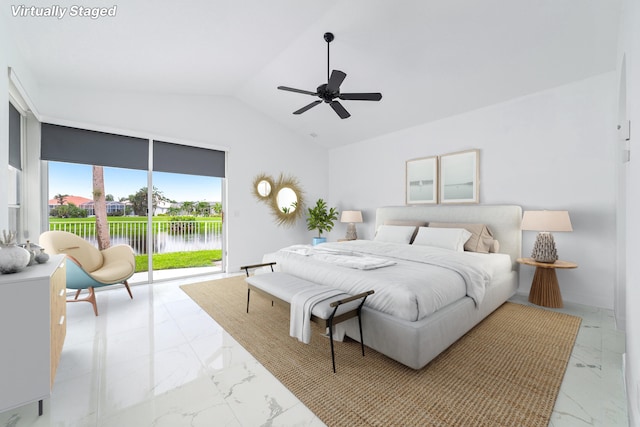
159, 360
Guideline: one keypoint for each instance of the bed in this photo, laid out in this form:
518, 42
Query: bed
427, 294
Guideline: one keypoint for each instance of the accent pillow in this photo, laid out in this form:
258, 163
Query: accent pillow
446, 238
394, 233
481, 240
415, 224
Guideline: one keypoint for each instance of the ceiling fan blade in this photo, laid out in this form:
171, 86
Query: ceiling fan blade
306, 107
361, 96
339, 109
290, 89
336, 79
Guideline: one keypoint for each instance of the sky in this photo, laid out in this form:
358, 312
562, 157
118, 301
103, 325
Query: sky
76, 180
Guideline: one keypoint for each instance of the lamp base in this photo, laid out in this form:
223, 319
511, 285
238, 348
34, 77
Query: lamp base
544, 250
351, 232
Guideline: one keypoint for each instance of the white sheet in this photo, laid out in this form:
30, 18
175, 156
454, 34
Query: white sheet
496, 264
422, 280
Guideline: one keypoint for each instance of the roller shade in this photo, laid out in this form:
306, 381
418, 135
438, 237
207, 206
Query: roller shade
176, 158
73, 145
14, 138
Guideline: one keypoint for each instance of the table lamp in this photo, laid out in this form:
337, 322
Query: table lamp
544, 250
351, 217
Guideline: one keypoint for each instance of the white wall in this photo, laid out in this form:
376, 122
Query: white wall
4, 124
254, 143
9, 58
629, 50
549, 150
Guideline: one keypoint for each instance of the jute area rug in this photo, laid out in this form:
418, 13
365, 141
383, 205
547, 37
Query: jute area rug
505, 372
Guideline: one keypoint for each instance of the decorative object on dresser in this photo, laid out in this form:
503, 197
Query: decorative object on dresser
13, 258
33, 250
544, 250
351, 217
33, 328
321, 218
421, 181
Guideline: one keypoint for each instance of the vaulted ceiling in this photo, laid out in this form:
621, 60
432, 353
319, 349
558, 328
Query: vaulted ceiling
429, 58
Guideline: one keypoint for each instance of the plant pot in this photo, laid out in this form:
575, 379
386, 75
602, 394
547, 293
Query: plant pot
318, 240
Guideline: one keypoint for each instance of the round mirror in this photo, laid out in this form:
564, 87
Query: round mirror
287, 200
264, 188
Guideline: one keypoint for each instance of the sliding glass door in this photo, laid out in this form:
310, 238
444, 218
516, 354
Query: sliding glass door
187, 225
170, 213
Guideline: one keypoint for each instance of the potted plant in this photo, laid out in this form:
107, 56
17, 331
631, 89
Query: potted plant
321, 218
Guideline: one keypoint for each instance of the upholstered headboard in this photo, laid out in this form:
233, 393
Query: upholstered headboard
503, 220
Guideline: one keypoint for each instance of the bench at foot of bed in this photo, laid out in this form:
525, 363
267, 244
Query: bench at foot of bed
283, 288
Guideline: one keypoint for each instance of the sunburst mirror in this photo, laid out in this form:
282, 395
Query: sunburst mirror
284, 196
263, 187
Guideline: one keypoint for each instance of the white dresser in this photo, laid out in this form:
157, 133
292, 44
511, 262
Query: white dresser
32, 330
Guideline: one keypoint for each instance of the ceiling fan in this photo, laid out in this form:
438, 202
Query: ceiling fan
328, 92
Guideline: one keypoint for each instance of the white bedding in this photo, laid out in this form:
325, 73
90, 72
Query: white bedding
496, 264
419, 280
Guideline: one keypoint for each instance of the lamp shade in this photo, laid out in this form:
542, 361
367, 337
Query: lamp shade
351, 216
546, 221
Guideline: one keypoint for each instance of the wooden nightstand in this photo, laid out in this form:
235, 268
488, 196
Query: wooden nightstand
545, 290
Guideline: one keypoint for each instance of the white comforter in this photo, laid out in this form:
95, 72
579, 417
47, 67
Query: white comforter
410, 282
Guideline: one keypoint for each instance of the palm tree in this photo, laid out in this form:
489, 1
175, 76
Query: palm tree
61, 198
187, 208
100, 208
203, 208
173, 211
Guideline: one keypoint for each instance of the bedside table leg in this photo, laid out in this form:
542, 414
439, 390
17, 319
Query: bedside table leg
545, 290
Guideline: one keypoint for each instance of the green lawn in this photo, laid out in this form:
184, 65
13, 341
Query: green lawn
179, 260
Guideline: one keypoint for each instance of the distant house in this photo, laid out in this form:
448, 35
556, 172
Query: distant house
76, 200
113, 207
163, 207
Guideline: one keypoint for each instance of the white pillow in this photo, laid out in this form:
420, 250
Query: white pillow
395, 233
446, 238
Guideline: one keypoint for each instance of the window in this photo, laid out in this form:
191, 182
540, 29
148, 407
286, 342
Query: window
15, 167
182, 213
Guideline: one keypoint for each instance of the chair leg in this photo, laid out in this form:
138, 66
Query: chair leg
78, 293
126, 285
90, 298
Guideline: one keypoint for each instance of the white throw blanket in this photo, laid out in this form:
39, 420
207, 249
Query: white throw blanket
301, 305
342, 258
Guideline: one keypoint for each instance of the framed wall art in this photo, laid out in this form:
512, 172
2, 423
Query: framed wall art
422, 181
459, 177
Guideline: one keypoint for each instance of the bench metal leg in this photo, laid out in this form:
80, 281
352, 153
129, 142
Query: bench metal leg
248, 294
333, 356
361, 337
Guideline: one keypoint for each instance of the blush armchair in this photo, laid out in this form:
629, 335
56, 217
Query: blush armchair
88, 267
